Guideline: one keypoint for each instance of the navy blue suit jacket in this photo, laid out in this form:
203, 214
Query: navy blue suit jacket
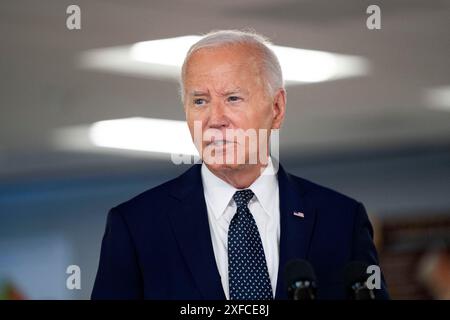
158, 244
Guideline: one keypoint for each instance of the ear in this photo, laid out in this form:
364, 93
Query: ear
279, 108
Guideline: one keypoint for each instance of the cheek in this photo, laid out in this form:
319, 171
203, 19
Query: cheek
195, 124
191, 117
261, 116
267, 114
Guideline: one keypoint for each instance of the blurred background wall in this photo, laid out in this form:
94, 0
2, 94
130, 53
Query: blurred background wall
381, 136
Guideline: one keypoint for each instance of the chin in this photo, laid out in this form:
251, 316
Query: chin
225, 166
218, 160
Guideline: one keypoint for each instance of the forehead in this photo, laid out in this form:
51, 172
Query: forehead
236, 63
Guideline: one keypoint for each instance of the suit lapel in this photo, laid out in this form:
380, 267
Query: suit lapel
295, 231
190, 223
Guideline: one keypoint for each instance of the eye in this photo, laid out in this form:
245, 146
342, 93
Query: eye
234, 98
199, 102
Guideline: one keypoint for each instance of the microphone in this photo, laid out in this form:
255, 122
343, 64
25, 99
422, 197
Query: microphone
300, 280
355, 277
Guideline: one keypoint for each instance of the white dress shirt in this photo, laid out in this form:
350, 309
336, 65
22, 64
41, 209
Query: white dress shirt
264, 207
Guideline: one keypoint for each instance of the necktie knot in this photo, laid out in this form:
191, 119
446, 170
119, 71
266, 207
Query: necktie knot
243, 197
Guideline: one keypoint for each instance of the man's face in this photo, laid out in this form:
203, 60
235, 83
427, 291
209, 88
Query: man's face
225, 90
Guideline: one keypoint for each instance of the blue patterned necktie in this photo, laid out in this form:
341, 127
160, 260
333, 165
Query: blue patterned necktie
247, 267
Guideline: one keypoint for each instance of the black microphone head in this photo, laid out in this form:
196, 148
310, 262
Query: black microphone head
355, 271
300, 280
355, 277
298, 269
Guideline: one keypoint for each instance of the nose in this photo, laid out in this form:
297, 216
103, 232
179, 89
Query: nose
217, 117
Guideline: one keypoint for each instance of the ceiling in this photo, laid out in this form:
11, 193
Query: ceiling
42, 89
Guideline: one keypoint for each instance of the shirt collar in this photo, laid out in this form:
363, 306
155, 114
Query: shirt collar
219, 193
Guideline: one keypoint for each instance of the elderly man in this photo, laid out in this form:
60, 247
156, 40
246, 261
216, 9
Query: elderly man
226, 228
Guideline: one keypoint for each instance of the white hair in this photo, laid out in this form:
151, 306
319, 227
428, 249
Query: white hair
269, 62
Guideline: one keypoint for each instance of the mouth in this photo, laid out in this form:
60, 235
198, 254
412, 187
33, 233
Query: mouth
219, 143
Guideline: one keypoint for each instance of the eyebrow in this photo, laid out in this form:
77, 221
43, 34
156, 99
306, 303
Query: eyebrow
197, 93
233, 91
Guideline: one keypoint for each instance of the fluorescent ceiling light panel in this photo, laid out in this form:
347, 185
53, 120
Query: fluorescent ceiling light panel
167, 52
144, 134
132, 134
163, 59
438, 98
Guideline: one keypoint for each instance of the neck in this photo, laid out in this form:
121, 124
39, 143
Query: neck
241, 177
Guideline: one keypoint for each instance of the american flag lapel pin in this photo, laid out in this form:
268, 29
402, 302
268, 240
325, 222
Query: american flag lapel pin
299, 214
